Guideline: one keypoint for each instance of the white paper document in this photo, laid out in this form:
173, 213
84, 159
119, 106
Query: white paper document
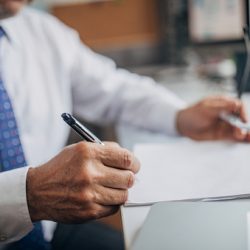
187, 170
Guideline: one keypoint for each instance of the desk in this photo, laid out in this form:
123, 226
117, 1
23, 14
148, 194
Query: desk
191, 91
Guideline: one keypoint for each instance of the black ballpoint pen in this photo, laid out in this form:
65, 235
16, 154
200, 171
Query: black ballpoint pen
80, 129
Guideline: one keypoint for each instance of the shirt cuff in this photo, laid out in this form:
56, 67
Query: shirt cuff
163, 114
167, 124
15, 220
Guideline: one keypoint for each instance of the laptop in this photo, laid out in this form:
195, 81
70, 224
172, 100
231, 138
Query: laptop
221, 225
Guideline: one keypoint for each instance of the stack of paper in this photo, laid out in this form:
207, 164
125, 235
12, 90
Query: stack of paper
187, 170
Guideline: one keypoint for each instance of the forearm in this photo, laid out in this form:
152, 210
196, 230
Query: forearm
148, 105
114, 95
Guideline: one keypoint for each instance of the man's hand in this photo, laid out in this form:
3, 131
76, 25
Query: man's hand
202, 120
85, 181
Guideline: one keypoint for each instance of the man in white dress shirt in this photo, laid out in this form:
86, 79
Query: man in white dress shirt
45, 71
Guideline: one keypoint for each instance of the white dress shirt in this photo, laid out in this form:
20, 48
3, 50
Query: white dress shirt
47, 71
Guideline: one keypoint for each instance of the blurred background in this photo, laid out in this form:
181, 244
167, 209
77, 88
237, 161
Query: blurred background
193, 47
173, 33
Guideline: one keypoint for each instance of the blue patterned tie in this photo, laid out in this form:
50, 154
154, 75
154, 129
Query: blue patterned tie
11, 157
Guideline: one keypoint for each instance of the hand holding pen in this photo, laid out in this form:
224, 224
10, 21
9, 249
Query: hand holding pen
84, 181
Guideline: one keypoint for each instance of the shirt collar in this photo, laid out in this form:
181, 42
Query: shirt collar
9, 25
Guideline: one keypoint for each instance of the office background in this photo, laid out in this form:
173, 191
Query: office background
139, 32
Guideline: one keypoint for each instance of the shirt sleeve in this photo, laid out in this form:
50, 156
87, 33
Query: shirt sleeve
15, 220
102, 93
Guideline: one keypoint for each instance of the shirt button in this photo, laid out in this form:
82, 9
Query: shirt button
3, 237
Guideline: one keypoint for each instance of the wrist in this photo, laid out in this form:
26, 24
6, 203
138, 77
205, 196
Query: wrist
34, 200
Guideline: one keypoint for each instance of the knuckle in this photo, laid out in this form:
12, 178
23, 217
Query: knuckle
89, 197
94, 214
84, 149
127, 159
87, 175
97, 211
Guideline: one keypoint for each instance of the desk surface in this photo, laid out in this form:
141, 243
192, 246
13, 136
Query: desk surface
191, 90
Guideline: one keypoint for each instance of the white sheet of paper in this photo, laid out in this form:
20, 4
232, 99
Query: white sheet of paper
185, 169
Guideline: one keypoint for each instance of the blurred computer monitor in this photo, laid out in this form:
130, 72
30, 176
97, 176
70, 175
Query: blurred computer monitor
216, 21
218, 26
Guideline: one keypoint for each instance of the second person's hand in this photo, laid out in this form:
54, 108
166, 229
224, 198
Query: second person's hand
202, 121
